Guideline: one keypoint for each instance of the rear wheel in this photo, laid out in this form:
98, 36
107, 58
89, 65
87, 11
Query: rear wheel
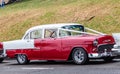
22, 59
1, 60
79, 56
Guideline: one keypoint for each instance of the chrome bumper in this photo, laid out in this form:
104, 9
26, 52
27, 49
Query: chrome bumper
102, 55
117, 51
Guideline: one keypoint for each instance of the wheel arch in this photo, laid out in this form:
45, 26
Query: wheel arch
70, 55
21, 53
25, 61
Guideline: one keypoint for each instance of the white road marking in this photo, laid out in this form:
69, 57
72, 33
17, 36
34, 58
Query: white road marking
6, 67
36, 68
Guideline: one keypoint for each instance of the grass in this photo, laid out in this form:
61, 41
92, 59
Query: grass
16, 18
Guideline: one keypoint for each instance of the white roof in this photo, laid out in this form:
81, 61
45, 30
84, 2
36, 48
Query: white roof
48, 26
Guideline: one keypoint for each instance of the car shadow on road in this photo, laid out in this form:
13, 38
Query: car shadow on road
91, 62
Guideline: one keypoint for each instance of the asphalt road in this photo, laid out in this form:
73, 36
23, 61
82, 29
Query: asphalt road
43, 67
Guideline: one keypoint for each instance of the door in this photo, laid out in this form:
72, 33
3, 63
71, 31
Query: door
51, 48
51, 45
37, 36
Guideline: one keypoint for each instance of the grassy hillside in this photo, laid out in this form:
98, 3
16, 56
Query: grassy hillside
16, 18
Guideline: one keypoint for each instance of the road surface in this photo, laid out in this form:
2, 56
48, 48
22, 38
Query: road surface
43, 67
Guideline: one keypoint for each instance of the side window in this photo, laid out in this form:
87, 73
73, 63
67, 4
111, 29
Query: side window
50, 33
27, 36
36, 34
64, 33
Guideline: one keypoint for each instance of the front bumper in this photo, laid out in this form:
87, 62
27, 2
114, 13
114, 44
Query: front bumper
104, 50
117, 51
102, 55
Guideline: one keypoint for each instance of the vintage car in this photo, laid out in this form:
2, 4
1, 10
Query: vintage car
65, 41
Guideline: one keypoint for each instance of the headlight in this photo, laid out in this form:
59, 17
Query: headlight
95, 42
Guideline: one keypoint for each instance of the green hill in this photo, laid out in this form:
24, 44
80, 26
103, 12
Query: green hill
16, 18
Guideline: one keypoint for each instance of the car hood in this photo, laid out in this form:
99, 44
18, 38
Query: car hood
102, 39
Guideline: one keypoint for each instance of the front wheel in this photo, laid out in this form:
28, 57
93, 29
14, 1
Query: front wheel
1, 60
22, 59
79, 56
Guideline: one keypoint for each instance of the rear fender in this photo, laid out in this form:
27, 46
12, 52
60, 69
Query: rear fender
21, 53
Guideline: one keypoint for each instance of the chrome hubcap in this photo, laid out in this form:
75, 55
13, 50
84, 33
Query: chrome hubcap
21, 58
79, 56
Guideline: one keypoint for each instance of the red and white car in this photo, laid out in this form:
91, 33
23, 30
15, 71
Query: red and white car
65, 41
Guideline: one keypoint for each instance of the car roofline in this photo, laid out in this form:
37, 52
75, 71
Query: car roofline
50, 26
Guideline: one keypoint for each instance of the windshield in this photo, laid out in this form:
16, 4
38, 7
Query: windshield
74, 27
73, 30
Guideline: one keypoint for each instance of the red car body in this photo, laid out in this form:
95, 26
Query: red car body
61, 48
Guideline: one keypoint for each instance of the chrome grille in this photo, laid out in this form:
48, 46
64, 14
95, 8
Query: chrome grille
106, 47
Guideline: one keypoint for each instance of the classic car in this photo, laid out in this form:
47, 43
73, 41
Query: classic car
64, 41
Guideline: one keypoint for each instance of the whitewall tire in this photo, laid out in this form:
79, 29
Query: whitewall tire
22, 59
79, 56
